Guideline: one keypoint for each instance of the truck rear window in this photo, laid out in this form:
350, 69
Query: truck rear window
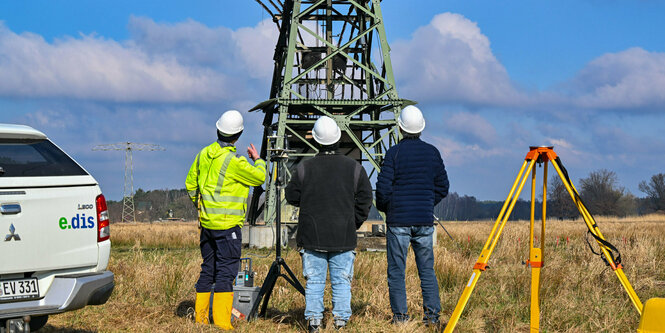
30, 157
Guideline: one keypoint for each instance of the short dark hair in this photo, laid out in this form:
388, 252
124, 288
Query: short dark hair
406, 135
332, 147
229, 138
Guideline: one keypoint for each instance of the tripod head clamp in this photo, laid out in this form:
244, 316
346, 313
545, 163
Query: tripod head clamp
541, 154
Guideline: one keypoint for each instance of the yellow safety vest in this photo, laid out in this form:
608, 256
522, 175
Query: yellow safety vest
222, 179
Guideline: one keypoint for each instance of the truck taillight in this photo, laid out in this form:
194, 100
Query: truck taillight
103, 229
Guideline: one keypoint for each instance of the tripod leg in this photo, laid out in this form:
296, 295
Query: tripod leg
293, 280
481, 264
505, 204
270, 287
593, 228
544, 213
265, 290
534, 262
536, 259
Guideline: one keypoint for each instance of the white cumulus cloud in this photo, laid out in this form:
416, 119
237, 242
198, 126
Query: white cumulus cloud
450, 60
183, 62
630, 79
245, 52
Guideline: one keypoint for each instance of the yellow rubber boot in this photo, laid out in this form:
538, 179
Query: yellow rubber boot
222, 304
202, 308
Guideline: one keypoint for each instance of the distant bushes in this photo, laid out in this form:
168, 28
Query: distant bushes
600, 191
156, 204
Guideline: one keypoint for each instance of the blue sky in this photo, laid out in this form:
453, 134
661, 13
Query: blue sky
585, 76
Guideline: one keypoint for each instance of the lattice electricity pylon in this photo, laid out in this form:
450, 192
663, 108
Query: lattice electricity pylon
332, 58
128, 188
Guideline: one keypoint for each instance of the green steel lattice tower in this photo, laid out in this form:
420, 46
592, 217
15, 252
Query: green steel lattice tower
332, 58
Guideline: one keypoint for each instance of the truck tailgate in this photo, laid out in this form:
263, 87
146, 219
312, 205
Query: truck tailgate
56, 228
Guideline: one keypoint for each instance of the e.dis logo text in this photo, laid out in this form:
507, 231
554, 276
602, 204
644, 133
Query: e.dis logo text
77, 222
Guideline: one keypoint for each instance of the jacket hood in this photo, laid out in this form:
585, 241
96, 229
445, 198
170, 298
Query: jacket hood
215, 150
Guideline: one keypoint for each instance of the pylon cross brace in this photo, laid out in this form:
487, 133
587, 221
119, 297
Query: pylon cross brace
539, 155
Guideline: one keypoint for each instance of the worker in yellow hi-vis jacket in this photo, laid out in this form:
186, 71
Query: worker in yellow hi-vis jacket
218, 183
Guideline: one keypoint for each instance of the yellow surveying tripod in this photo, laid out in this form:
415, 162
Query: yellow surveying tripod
609, 253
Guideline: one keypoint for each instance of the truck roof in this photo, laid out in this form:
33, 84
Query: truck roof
13, 131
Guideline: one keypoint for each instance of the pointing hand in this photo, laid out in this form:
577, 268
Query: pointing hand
251, 151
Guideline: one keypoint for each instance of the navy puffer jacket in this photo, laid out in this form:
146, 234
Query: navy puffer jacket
412, 181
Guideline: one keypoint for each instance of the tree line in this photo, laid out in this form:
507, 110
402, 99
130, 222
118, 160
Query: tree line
600, 191
155, 205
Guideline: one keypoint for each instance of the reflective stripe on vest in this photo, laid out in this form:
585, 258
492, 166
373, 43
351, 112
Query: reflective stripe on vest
223, 211
222, 174
223, 198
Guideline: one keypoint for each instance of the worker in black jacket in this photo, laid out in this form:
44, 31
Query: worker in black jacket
334, 195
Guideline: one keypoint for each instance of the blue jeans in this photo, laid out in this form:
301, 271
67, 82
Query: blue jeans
397, 246
315, 266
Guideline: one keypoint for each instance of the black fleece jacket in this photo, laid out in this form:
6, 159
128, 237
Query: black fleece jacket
334, 195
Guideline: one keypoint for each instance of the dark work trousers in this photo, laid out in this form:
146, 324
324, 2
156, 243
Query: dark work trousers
220, 250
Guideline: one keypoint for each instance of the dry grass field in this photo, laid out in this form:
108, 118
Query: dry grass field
156, 266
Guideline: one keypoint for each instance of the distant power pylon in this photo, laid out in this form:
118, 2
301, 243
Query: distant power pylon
128, 189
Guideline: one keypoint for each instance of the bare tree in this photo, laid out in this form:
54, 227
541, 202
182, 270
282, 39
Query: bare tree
603, 196
655, 191
560, 204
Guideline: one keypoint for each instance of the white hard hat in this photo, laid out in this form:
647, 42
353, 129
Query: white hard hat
230, 123
411, 120
326, 131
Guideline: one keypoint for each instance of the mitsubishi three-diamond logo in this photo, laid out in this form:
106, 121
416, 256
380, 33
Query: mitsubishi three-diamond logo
12, 234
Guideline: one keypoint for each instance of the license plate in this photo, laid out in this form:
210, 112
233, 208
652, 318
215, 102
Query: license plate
19, 289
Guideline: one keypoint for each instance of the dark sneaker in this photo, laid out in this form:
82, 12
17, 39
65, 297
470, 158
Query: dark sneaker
431, 319
313, 325
340, 323
399, 318
431, 322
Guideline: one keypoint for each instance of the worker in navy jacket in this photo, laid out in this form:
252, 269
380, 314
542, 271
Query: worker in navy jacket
412, 181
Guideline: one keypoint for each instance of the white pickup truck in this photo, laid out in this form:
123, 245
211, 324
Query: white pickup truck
54, 232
